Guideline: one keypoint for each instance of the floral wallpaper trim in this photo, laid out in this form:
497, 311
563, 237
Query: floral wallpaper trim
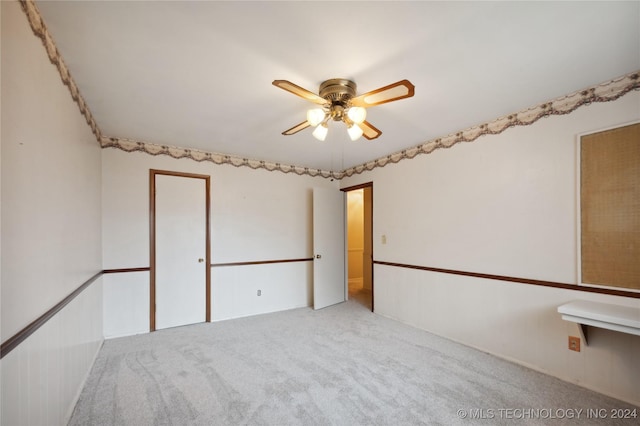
604, 92
40, 30
129, 145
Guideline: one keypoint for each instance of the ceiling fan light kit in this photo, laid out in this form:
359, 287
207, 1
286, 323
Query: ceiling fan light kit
338, 101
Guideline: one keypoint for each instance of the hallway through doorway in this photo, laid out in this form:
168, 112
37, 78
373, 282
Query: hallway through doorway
359, 245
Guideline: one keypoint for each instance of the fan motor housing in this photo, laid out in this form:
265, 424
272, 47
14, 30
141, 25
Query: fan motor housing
338, 91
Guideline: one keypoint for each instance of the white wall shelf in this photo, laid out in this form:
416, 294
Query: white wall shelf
625, 319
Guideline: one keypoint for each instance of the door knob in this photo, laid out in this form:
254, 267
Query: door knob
318, 256
200, 260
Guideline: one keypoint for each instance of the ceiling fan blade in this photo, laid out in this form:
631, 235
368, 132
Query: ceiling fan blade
369, 131
296, 128
297, 90
393, 92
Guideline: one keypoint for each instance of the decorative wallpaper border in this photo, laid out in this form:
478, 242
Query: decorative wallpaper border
40, 30
605, 92
130, 145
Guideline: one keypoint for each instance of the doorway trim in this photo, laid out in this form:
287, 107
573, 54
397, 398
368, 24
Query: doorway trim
152, 240
353, 188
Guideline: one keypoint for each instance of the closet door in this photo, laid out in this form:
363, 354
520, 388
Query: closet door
328, 247
181, 269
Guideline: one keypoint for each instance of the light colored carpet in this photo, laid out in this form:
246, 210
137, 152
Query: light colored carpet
342, 365
361, 296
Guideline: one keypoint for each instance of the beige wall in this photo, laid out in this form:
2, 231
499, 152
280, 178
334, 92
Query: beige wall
256, 215
503, 205
51, 231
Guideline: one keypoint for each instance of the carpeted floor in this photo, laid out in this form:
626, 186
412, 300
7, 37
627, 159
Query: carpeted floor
342, 365
361, 296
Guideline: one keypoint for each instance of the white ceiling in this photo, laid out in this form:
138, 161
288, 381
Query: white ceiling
198, 74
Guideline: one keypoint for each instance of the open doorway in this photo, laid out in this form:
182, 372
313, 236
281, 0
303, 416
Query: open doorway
360, 244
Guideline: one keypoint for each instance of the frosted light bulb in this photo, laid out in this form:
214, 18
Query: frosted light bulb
354, 132
315, 116
320, 132
357, 114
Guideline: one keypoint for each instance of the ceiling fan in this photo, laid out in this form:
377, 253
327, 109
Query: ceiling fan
338, 102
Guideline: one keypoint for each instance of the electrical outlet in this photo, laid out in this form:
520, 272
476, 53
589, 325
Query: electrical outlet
574, 343
259, 292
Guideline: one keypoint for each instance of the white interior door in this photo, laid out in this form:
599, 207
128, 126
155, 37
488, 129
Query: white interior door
328, 247
180, 218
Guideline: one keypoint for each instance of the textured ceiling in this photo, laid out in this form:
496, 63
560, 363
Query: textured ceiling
198, 74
